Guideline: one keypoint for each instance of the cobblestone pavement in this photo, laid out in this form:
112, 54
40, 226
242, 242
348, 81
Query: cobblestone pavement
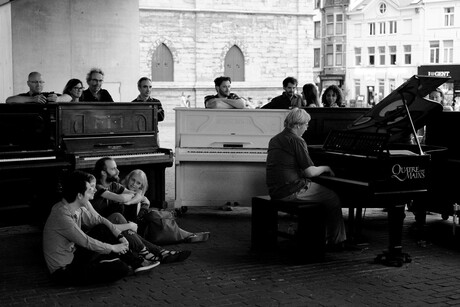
225, 272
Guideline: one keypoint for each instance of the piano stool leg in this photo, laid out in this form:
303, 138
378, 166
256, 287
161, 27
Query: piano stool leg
456, 208
264, 225
354, 235
394, 256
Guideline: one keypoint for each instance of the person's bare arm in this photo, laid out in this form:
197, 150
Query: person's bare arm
119, 198
314, 171
64, 98
26, 99
225, 103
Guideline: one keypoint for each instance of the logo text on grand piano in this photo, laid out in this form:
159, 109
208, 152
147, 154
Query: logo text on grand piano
403, 173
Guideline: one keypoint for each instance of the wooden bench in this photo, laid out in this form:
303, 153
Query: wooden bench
310, 237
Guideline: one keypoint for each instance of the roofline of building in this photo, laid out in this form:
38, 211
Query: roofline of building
186, 10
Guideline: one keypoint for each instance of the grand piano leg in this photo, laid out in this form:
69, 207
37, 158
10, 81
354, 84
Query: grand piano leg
394, 256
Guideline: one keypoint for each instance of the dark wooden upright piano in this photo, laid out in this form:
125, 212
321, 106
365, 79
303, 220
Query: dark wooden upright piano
31, 162
126, 132
374, 163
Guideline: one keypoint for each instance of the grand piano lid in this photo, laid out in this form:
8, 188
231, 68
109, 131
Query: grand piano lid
390, 116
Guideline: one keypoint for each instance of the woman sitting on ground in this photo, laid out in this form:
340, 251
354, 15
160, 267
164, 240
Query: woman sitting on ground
158, 226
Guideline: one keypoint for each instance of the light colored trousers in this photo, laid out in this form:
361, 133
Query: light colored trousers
313, 192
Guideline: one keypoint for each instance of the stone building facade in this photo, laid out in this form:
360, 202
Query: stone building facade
273, 37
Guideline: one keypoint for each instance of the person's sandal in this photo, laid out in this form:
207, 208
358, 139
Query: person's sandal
174, 256
198, 237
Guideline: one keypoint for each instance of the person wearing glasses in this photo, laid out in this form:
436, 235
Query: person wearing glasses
74, 88
95, 93
36, 94
289, 173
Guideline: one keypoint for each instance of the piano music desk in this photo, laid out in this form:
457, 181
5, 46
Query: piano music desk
310, 237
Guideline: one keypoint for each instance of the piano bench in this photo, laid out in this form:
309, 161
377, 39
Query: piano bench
309, 239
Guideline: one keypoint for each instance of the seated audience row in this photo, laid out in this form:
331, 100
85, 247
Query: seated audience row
74, 91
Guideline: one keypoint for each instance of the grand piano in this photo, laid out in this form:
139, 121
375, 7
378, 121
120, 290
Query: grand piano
40, 143
376, 166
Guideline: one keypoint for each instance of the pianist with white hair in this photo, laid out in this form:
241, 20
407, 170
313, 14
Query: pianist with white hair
289, 169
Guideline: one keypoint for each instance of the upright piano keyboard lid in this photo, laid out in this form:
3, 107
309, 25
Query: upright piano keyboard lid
390, 116
217, 128
25, 128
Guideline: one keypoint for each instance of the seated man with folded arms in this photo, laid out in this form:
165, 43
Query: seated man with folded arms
224, 99
36, 94
81, 247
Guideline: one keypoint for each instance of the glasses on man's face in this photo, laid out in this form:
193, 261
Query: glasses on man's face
97, 80
37, 82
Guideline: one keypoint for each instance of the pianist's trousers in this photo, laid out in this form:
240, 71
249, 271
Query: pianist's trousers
313, 192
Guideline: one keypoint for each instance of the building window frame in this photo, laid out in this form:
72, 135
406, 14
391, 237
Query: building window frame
382, 8
381, 55
358, 56
407, 54
372, 28
448, 51
382, 28
371, 52
330, 25
317, 57
329, 55
448, 17
317, 29
339, 55
392, 25
339, 24
434, 52
392, 51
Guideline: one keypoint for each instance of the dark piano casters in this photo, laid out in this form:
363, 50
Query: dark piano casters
372, 171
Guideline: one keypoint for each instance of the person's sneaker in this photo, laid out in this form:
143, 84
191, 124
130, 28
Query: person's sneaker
146, 265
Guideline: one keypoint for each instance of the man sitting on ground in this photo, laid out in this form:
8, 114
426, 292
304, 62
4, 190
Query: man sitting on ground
75, 257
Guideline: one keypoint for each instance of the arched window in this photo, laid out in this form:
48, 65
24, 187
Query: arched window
162, 64
234, 64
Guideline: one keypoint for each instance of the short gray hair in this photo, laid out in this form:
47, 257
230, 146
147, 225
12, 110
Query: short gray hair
296, 117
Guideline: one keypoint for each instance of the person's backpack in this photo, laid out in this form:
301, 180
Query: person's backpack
160, 227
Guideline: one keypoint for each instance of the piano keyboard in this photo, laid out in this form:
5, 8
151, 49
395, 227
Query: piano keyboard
221, 154
25, 159
350, 181
122, 156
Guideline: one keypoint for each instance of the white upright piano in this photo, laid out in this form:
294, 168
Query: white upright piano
221, 154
